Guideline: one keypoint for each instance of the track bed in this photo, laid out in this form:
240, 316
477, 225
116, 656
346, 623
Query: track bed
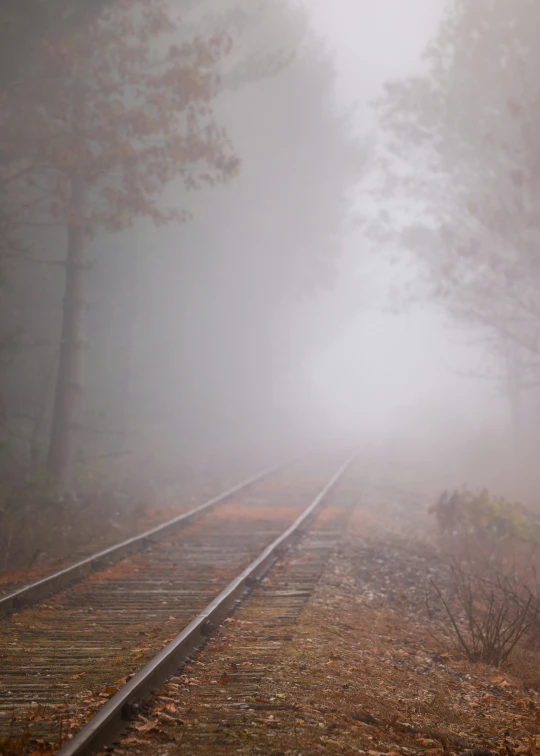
62, 659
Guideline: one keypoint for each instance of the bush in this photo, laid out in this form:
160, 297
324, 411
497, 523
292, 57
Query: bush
465, 513
489, 616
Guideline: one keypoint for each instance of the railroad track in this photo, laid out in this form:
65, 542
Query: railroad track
228, 700
23, 595
96, 649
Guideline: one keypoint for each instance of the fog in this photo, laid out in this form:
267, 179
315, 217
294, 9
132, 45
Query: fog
281, 314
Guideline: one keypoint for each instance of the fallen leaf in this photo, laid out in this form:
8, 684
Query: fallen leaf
109, 691
147, 727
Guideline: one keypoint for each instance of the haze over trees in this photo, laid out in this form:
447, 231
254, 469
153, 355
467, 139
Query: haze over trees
461, 184
166, 336
186, 296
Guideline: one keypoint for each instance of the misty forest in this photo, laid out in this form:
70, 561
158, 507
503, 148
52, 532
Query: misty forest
245, 244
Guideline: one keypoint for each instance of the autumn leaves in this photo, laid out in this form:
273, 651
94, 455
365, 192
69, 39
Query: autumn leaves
106, 116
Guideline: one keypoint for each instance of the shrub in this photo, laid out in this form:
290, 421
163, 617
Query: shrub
489, 616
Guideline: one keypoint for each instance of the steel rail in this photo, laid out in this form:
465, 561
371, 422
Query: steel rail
56, 581
124, 705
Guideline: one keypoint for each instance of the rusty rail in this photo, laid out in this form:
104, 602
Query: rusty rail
112, 717
56, 581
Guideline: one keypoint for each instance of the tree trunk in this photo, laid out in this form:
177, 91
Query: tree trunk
129, 319
513, 390
69, 381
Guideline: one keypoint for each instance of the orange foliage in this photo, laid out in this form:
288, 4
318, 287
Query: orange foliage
123, 107
242, 512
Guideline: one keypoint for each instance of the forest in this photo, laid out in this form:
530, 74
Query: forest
193, 219
269, 377
174, 180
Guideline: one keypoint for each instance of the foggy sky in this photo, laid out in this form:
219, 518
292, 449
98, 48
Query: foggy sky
358, 383
375, 41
